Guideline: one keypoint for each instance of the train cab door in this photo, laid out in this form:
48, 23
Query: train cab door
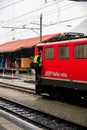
40, 50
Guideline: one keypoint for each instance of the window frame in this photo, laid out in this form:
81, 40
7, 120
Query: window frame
64, 57
82, 52
49, 58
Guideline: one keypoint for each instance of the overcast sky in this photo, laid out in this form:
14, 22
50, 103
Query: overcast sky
57, 16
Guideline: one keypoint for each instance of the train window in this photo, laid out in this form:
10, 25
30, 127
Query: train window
80, 51
63, 52
49, 53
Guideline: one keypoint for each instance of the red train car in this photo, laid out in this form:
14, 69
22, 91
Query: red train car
64, 67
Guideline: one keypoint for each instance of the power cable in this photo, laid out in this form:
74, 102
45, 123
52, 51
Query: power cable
68, 20
57, 17
11, 4
32, 11
41, 9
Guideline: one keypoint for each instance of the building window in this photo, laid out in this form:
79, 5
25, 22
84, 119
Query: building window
80, 51
49, 53
63, 52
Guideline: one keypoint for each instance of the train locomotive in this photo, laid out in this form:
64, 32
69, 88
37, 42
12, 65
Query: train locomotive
64, 65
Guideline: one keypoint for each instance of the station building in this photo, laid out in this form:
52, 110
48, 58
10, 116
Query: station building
18, 55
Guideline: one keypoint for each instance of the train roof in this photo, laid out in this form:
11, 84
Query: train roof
66, 38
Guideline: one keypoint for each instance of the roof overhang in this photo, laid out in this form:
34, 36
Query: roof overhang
25, 43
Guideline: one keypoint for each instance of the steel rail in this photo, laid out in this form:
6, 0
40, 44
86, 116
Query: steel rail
19, 88
37, 117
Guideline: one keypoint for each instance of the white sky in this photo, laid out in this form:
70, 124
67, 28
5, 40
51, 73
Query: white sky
58, 16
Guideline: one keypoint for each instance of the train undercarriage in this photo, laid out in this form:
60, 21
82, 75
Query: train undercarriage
55, 88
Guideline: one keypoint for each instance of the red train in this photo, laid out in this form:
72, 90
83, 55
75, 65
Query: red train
64, 65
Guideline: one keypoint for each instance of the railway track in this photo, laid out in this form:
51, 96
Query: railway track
38, 118
23, 89
25, 79
31, 91
69, 100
